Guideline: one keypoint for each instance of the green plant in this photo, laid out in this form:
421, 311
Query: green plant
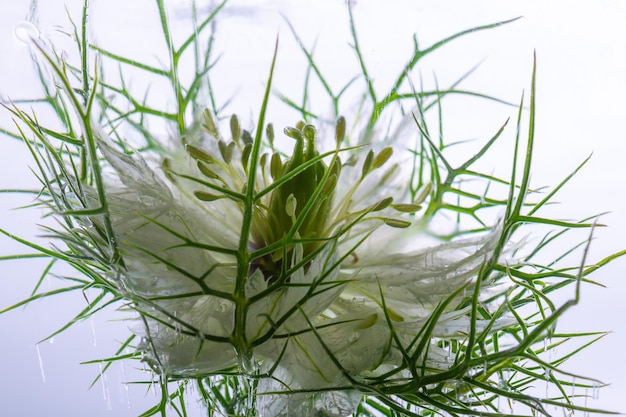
293, 280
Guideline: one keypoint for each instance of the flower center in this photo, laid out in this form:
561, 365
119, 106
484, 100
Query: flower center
294, 213
299, 206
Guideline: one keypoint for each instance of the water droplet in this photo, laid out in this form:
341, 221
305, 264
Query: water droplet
353, 337
43, 374
246, 360
26, 32
223, 306
503, 381
105, 388
552, 353
93, 331
125, 385
595, 391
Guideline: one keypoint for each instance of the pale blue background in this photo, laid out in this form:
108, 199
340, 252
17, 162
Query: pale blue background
581, 48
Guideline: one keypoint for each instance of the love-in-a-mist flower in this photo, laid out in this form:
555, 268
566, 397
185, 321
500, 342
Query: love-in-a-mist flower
298, 272
292, 267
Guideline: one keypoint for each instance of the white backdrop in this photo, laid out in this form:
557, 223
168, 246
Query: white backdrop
581, 49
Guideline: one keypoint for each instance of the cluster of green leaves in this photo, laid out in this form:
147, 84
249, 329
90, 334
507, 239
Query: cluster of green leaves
491, 368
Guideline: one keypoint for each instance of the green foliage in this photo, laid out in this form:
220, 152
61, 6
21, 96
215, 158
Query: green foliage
490, 366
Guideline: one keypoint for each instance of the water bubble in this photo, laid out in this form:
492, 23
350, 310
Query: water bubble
26, 32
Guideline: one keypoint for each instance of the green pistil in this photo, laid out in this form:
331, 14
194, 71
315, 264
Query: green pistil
290, 199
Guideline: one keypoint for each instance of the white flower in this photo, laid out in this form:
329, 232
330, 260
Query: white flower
304, 282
